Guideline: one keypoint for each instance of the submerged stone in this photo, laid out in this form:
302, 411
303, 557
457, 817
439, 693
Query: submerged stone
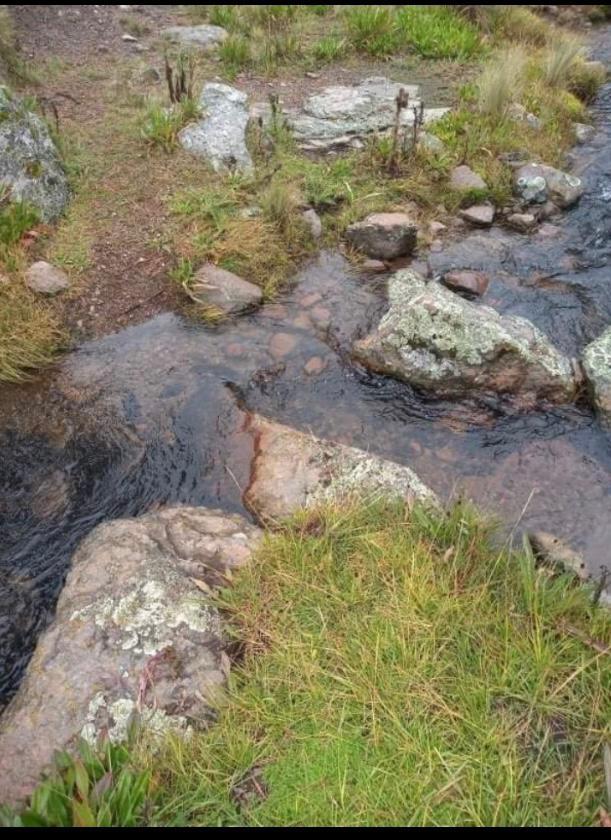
293, 470
384, 236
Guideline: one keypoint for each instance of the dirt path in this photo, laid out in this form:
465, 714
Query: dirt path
108, 239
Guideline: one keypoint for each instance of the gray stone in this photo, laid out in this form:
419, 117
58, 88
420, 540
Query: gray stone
384, 236
220, 135
439, 342
479, 215
133, 636
205, 36
463, 179
472, 283
312, 220
583, 133
214, 286
524, 222
431, 143
30, 166
536, 182
518, 113
45, 279
343, 116
596, 363
293, 470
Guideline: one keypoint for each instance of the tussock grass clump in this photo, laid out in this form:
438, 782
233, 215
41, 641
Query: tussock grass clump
585, 78
501, 81
330, 48
30, 336
559, 59
395, 669
372, 29
438, 32
519, 24
235, 53
161, 125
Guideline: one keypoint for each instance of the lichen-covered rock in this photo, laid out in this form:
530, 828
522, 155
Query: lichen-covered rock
440, 342
596, 363
220, 135
384, 236
30, 166
518, 113
133, 635
293, 470
583, 132
225, 291
535, 183
206, 36
343, 116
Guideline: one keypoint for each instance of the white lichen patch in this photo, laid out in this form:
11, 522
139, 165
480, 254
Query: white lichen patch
119, 715
146, 615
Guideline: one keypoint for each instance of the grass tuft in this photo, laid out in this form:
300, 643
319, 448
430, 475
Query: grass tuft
501, 82
438, 32
372, 29
560, 57
161, 125
395, 669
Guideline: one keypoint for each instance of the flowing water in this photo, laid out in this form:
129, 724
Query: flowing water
155, 414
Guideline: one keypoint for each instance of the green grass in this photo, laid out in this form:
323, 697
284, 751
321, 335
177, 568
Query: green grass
398, 670
161, 125
235, 54
330, 48
438, 32
372, 29
97, 788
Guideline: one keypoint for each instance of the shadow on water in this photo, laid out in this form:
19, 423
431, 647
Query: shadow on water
149, 416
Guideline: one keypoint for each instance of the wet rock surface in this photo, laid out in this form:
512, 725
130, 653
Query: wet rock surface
293, 470
30, 165
535, 183
219, 137
438, 341
133, 636
384, 236
597, 367
224, 291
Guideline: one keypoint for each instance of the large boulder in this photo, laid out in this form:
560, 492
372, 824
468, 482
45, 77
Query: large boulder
206, 36
220, 135
596, 363
384, 236
30, 165
439, 342
133, 636
343, 116
537, 183
293, 470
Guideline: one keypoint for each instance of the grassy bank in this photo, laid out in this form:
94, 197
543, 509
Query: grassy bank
394, 669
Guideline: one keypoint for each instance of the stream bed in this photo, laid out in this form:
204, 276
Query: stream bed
155, 414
